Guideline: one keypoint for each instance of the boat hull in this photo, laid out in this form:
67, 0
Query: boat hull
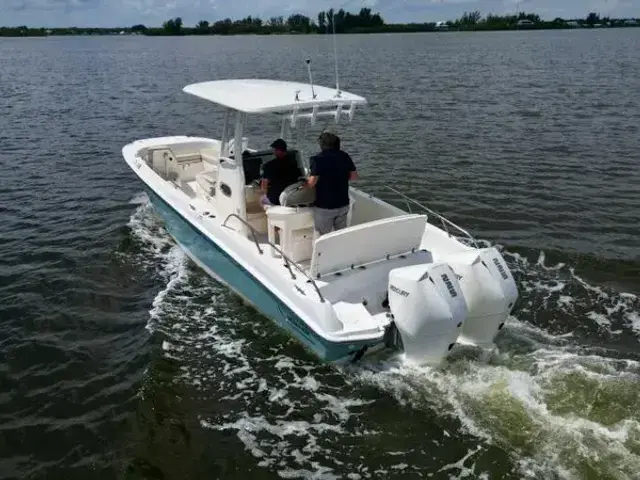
219, 265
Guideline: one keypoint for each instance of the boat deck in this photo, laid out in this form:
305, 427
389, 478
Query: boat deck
358, 295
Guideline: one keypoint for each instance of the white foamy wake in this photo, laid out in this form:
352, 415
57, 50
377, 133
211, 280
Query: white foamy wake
157, 251
556, 412
559, 410
565, 302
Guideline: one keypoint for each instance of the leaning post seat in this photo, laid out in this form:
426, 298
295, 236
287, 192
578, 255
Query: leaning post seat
297, 195
295, 231
294, 220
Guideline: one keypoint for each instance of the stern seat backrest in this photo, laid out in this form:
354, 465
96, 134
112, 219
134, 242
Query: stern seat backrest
365, 243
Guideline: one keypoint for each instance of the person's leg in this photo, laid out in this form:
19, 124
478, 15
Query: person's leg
340, 218
322, 221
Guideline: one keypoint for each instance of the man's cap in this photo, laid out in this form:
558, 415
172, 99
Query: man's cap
280, 144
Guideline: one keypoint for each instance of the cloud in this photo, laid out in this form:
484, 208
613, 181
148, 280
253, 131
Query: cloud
154, 12
45, 5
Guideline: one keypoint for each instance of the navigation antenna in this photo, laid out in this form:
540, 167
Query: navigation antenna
308, 61
335, 52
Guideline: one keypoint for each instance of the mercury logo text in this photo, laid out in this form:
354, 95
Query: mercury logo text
500, 268
449, 285
397, 290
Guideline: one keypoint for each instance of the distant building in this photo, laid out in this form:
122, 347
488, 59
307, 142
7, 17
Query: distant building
631, 23
525, 23
442, 26
573, 24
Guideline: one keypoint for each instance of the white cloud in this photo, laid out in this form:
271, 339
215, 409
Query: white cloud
154, 12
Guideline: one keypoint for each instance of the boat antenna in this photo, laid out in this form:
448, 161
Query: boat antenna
335, 51
308, 61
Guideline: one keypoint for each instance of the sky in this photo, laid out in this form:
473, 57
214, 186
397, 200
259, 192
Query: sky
112, 13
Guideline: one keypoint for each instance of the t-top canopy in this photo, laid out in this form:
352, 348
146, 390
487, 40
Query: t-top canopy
265, 96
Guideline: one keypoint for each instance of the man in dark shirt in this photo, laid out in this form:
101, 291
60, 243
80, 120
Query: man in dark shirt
330, 173
278, 174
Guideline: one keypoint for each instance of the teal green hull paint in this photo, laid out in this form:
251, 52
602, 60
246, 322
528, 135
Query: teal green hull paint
242, 282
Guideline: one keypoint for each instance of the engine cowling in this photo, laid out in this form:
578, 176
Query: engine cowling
428, 309
489, 290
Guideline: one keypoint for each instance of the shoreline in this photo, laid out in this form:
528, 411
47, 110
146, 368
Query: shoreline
92, 32
333, 22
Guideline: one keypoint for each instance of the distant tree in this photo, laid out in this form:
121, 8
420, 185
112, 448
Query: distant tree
592, 18
330, 18
470, 18
139, 28
222, 27
322, 22
529, 16
299, 23
173, 26
202, 27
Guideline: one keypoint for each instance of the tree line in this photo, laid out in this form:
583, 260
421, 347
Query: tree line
365, 21
475, 21
345, 22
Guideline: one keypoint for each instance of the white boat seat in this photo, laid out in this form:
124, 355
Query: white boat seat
210, 156
190, 157
295, 229
207, 181
354, 316
296, 195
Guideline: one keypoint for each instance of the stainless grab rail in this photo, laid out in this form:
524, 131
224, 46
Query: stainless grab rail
444, 221
287, 261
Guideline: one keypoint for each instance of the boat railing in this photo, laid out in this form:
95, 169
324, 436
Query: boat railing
287, 261
444, 221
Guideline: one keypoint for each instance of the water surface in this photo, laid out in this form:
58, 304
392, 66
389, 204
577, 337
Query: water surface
120, 359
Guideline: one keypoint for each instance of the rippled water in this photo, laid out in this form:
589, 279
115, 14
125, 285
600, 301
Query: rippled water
120, 359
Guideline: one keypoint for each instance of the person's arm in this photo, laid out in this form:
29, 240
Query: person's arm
313, 173
264, 181
353, 173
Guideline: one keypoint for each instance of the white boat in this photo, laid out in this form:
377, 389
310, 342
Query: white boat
391, 279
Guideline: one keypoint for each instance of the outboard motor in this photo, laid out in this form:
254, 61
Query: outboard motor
489, 290
428, 310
